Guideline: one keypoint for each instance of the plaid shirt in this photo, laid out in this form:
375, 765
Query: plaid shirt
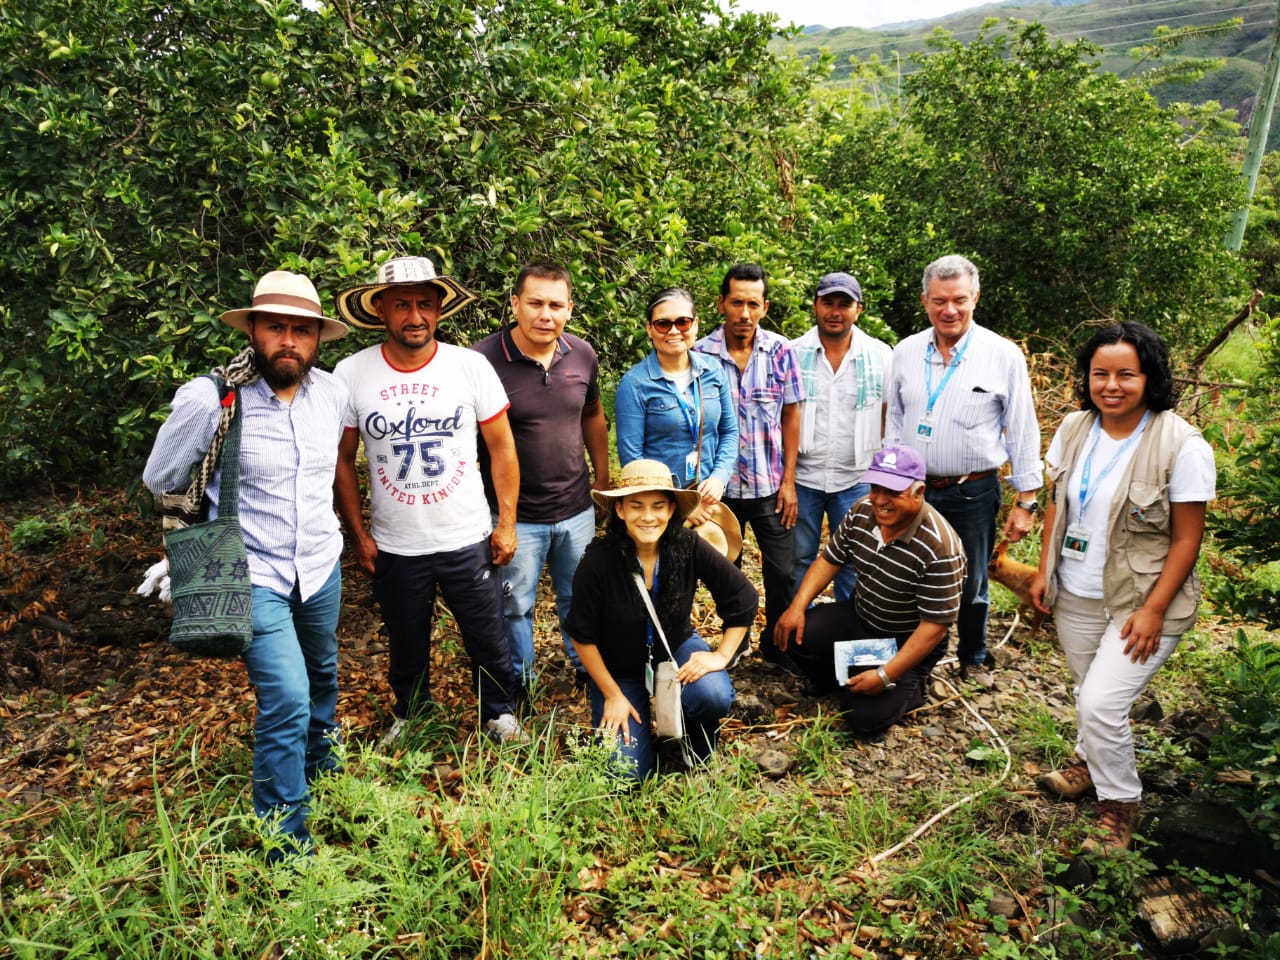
770, 382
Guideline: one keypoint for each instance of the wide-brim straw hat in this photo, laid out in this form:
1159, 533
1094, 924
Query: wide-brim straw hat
722, 530
356, 305
287, 294
645, 476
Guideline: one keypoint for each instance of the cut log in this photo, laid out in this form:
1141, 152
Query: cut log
1182, 918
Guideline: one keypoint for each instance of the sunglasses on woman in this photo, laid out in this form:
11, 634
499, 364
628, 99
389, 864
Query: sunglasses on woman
665, 324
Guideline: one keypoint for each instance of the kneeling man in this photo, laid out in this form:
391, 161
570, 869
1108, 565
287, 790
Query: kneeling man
910, 567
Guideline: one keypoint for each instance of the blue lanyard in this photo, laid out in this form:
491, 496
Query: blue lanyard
691, 413
1095, 435
928, 373
653, 595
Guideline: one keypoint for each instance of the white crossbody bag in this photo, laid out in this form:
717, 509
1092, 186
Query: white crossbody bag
668, 711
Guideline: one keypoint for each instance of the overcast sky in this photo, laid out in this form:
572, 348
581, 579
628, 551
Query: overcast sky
856, 13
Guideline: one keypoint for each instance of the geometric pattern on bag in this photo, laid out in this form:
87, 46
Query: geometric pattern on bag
209, 570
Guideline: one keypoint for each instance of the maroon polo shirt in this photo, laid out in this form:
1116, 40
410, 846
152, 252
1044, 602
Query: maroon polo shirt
546, 419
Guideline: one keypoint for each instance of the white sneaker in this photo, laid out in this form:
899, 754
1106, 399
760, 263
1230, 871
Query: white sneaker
505, 728
392, 735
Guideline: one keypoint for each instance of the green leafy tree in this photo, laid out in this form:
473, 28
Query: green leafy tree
1077, 195
160, 157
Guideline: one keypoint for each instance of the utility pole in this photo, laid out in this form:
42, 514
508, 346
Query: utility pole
1259, 128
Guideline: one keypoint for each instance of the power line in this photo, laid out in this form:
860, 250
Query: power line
1185, 16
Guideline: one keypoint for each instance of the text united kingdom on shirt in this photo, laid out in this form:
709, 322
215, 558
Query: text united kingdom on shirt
420, 430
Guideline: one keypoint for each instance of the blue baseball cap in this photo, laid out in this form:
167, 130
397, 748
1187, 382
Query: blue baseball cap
839, 283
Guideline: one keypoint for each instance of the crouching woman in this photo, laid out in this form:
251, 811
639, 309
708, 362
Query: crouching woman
614, 634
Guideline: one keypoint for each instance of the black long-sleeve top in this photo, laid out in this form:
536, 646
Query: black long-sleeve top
607, 610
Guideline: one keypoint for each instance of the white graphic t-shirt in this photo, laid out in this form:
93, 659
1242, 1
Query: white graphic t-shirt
420, 432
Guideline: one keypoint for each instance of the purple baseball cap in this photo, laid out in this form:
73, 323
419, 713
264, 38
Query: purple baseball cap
895, 468
839, 283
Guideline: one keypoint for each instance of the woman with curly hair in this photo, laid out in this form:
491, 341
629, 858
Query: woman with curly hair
1130, 481
615, 637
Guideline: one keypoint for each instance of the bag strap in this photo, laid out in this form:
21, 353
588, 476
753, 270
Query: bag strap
229, 462
187, 506
693, 484
653, 614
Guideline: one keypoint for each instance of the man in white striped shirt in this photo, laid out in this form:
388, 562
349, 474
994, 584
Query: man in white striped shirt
291, 424
960, 396
910, 568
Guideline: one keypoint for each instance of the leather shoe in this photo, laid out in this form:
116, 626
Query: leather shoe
980, 677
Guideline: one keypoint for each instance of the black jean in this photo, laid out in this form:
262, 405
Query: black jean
826, 623
405, 588
777, 554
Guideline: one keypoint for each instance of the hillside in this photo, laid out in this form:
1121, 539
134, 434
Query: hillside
1116, 26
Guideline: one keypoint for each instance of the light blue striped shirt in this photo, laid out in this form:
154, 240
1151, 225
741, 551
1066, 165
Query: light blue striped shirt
288, 452
983, 418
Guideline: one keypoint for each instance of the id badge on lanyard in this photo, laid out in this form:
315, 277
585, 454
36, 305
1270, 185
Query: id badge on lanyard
1076, 542
924, 429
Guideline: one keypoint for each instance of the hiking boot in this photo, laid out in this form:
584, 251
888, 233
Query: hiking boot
505, 728
979, 676
1069, 783
1114, 829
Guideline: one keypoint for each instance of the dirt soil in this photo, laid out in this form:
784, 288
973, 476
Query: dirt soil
96, 704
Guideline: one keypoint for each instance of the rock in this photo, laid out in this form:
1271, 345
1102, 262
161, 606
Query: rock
1206, 731
1166, 781
1004, 904
1146, 709
1207, 835
753, 709
774, 764
895, 774
1077, 874
933, 733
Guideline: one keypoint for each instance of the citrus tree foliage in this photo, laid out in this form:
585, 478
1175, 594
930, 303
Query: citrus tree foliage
1076, 194
160, 156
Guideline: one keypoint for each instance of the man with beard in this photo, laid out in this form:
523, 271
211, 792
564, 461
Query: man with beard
420, 406
291, 422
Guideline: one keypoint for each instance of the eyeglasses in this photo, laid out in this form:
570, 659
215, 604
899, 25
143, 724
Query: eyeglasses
665, 324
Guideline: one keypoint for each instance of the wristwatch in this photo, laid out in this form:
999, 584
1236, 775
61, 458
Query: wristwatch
884, 678
1031, 506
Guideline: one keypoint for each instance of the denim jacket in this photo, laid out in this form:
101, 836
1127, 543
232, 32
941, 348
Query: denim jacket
652, 424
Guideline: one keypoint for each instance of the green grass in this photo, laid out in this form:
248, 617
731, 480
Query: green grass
531, 851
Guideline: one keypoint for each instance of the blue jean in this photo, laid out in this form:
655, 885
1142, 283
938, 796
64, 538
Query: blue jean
293, 666
405, 588
559, 546
807, 533
971, 509
705, 703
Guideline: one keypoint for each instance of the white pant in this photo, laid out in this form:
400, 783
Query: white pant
1107, 683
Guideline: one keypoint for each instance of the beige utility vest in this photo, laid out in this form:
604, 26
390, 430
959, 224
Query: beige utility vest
1139, 525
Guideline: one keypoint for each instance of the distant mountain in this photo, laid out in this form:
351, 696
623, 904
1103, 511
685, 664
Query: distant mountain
1117, 26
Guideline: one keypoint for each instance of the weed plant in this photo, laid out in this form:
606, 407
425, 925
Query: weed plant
449, 848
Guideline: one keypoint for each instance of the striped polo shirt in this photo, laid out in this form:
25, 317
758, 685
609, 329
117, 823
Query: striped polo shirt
916, 576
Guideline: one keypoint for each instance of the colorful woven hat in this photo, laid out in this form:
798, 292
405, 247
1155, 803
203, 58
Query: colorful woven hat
356, 305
